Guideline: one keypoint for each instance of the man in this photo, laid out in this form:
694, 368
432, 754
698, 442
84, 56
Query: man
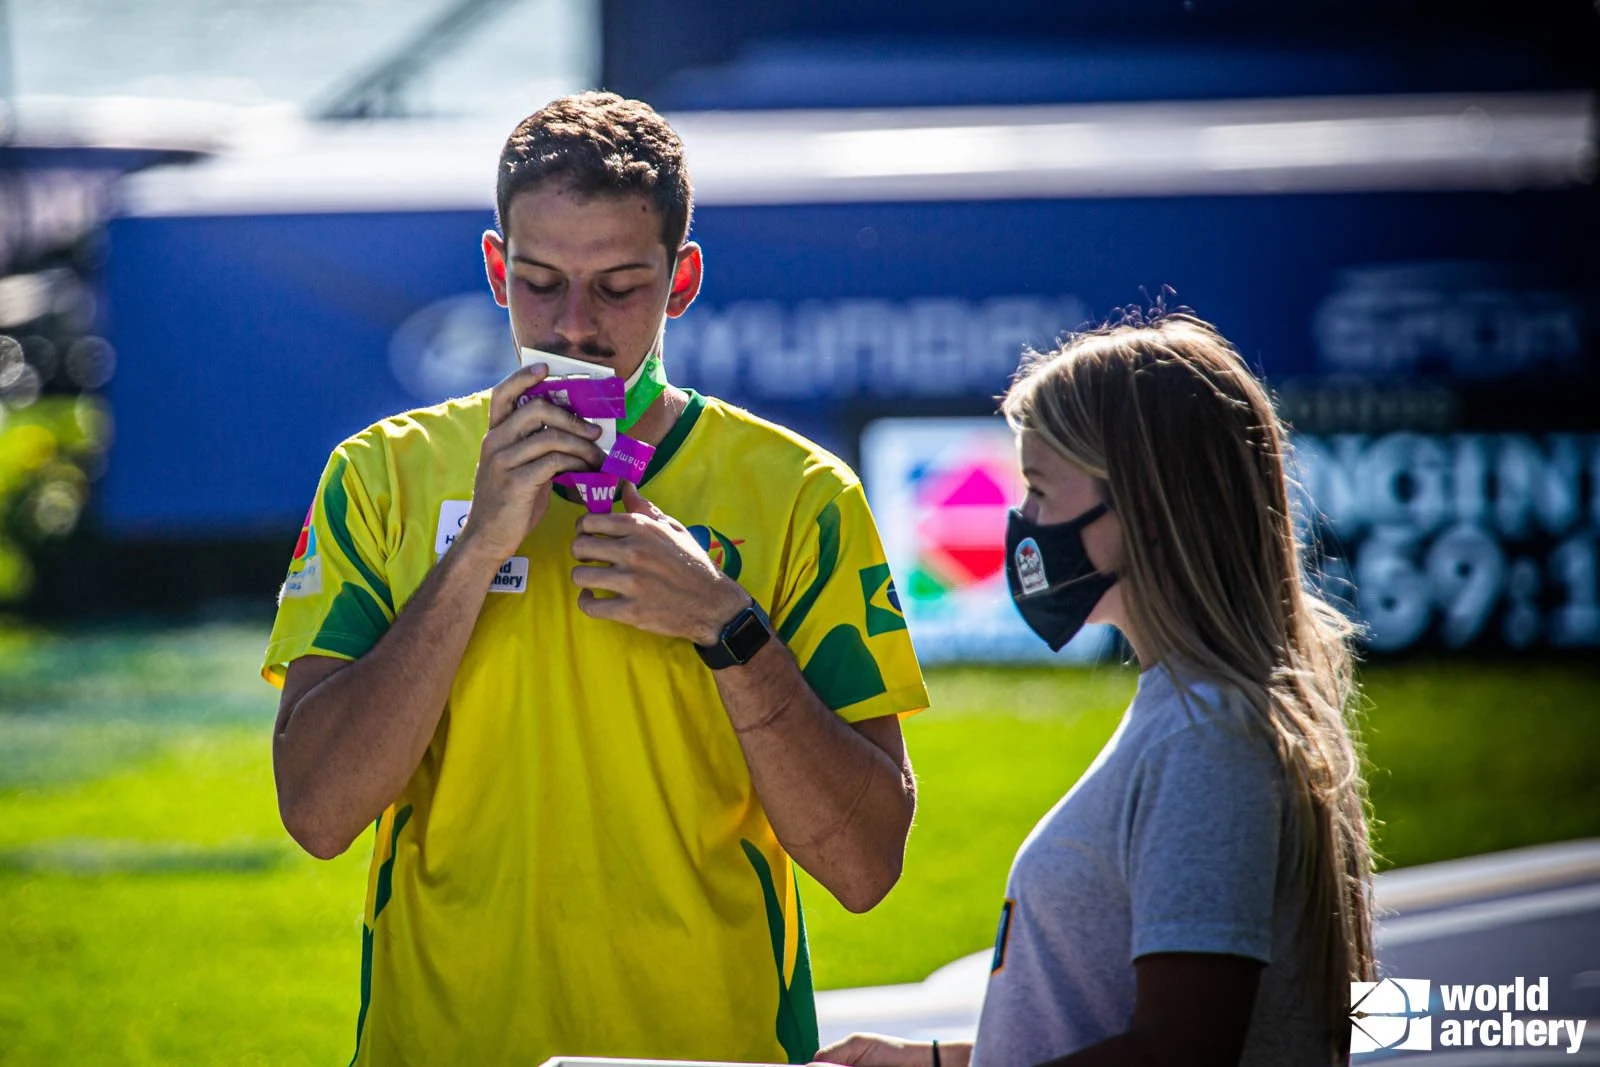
589, 755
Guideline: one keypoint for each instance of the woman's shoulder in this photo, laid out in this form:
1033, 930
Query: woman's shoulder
1192, 719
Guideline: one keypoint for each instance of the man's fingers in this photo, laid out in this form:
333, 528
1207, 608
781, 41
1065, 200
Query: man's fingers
602, 607
538, 414
540, 471
544, 470
610, 579
609, 524
549, 443
635, 503
503, 401
593, 549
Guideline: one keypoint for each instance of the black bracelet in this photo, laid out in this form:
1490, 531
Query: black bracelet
936, 1054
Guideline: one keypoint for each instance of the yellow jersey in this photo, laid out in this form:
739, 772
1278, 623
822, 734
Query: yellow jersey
580, 865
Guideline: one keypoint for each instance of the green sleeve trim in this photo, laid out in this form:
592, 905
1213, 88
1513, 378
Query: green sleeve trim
336, 508
285, 650
675, 437
827, 560
354, 623
797, 1007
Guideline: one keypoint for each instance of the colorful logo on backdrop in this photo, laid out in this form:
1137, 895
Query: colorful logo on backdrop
305, 568
723, 550
961, 499
940, 489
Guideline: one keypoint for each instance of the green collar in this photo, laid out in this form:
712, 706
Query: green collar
646, 384
675, 437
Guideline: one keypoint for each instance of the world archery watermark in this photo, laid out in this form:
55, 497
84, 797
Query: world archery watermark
1398, 1015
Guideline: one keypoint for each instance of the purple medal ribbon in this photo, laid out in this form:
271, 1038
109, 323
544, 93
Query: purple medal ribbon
587, 398
597, 398
628, 459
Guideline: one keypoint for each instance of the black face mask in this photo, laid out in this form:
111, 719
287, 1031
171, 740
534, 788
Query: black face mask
1053, 584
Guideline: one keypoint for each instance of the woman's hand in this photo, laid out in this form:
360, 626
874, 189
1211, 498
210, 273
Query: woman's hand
876, 1050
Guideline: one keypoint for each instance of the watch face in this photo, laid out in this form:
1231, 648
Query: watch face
747, 637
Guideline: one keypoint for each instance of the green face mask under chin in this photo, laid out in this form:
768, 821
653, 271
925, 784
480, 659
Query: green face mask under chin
645, 385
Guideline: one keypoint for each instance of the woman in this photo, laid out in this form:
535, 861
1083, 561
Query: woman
1201, 896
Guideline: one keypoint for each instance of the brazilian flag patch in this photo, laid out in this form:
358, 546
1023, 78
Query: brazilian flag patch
883, 602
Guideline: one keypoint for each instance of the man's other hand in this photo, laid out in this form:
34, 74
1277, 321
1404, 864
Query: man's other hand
661, 579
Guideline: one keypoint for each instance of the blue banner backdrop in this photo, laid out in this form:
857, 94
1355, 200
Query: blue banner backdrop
249, 346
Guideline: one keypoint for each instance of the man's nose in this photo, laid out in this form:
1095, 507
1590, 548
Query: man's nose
576, 322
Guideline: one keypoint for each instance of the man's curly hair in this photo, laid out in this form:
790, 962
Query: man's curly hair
598, 144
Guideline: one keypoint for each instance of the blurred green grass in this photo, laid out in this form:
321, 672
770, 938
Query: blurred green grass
153, 911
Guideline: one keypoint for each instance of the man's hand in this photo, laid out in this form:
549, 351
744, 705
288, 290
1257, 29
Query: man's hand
524, 450
662, 579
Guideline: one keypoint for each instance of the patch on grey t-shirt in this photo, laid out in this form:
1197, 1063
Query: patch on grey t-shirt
1170, 842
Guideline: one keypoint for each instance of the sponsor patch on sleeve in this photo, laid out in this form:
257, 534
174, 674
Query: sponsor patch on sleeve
305, 569
307, 581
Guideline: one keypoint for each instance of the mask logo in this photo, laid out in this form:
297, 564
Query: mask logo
1030, 567
1039, 553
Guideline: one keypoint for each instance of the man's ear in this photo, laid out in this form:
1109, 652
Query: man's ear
494, 265
686, 280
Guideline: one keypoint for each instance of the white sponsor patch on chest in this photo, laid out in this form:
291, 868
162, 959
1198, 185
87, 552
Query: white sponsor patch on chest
512, 576
452, 518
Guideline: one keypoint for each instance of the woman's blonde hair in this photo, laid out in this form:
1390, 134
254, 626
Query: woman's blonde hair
1191, 457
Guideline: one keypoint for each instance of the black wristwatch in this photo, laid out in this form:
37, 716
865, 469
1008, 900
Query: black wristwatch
740, 640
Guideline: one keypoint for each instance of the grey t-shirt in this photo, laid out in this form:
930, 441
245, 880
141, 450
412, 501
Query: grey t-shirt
1174, 840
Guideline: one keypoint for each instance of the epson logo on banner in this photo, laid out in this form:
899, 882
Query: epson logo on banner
1460, 319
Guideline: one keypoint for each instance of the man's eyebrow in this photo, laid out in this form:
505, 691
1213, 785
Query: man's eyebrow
531, 262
